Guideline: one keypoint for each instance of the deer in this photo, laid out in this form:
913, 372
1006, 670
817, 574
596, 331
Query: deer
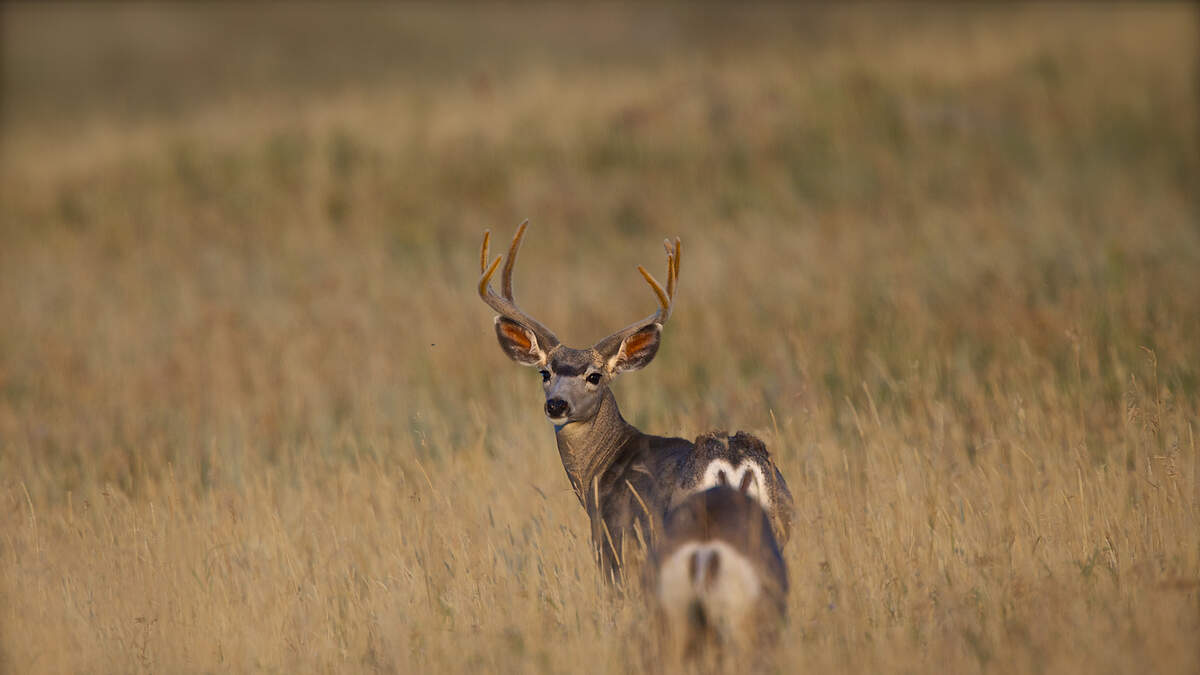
718, 579
626, 480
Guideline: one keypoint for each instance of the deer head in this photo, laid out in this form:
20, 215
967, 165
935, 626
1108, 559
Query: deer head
574, 380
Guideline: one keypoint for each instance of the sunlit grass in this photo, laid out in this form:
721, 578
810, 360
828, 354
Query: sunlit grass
253, 417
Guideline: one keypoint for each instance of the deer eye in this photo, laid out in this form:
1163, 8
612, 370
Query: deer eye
594, 378
545, 375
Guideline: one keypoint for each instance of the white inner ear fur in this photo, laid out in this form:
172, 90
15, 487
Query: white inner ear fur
611, 365
535, 350
758, 486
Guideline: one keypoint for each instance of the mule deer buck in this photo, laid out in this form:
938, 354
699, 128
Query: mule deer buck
626, 480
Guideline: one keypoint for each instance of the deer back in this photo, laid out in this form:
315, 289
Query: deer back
740, 461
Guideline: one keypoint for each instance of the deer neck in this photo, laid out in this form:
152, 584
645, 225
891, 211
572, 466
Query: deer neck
587, 447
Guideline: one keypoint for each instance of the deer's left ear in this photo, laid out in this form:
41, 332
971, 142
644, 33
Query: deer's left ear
637, 350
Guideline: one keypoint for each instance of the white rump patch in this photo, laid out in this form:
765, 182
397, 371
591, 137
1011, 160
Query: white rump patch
720, 578
757, 489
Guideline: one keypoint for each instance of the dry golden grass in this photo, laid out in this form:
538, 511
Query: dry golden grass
252, 416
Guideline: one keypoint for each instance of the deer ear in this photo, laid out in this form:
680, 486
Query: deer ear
519, 342
637, 350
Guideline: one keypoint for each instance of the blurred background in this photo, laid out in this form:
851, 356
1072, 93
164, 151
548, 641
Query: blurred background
252, 414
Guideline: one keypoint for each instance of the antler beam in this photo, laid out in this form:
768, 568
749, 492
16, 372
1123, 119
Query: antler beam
504, 304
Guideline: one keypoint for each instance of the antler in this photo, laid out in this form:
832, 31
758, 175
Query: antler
504, 304
666, 299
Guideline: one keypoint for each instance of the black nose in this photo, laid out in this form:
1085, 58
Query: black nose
556, 407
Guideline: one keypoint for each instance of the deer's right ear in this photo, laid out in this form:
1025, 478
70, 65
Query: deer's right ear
519, 342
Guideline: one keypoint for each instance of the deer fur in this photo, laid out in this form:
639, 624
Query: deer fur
627, 481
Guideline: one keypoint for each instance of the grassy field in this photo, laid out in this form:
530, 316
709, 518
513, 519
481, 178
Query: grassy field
253, 417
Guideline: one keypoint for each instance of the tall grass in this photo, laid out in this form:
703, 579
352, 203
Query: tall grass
252, 416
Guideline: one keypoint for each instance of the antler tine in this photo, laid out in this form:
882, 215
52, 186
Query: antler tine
511, 260
483, 252
672, 265
663, 299
666, 299
678, 253
485, 291
505, 305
